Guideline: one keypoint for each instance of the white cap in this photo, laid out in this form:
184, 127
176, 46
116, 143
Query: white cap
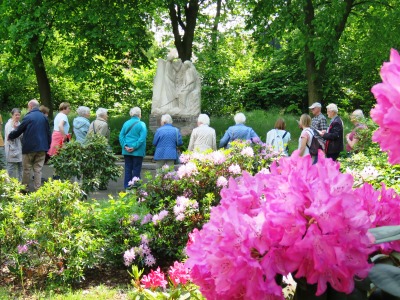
315, 104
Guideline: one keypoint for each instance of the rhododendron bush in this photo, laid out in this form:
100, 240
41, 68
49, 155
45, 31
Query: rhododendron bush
301, 218
176, 202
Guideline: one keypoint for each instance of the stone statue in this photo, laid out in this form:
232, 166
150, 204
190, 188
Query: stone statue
176, 88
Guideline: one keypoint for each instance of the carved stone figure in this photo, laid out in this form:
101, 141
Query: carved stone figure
176, 89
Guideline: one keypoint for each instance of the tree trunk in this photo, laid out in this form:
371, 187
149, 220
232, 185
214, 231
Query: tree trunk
314, 85
214, 32
43, 82
184, 44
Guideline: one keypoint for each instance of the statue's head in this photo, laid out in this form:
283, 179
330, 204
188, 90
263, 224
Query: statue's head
173, 53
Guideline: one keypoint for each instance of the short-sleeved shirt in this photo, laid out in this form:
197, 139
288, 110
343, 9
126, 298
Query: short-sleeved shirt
61, 117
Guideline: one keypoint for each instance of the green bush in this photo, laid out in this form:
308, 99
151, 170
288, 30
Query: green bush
49, 235
93, 162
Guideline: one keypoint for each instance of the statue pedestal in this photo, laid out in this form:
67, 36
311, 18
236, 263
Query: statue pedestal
184, 123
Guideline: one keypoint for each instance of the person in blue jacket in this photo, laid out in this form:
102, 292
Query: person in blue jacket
238, 131
35, 143
167, 139
132, 139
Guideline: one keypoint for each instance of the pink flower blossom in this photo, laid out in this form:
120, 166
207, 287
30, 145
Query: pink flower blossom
146, 219
217, 157
386, 113
235, 169
160, 216
222, 181
247, 151
187, 170
300, 218
22, 249
150, 260
154, 280
178, 274
129, 256
134, 180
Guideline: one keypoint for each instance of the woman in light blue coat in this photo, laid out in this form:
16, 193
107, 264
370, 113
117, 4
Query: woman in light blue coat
166, 140
81, 124
132, 139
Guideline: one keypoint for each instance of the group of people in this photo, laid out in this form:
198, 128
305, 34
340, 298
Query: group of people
27, 143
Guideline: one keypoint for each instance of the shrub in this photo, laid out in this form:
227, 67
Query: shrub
176, 202
93, 162
52, 236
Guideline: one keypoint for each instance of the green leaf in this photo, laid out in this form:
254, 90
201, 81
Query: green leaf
385, 234
387, 278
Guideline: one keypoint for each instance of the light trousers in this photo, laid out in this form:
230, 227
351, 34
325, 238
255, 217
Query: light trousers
33, 161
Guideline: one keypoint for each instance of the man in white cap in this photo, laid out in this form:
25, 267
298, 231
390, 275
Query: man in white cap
318, 122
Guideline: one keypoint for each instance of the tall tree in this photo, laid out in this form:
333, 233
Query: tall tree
320, 23
97, 32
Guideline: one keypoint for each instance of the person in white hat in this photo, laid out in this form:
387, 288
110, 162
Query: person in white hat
318, 122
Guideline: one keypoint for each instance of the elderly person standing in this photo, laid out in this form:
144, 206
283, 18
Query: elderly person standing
334, 135
318, 122
238, 131
132, 139
100, 125
357, 117
166, 140
81, 123
61, 128
13, 147
203, 137
35, 143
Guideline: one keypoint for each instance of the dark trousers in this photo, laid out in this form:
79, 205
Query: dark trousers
133, 167
334, 156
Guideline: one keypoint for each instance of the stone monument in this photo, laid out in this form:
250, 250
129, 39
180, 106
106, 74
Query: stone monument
176, 91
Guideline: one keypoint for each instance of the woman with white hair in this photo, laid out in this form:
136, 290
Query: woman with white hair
81, 123
357, 118
238, 131
334, 134
167, 139
100, 125
203, 137
132, 139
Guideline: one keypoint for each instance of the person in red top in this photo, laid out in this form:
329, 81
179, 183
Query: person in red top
357, 117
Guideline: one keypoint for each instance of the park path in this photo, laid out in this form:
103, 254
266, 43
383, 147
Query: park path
114, 187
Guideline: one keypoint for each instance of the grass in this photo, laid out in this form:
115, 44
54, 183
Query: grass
100, 292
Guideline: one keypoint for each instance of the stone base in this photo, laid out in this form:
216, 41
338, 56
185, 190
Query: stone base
184, 123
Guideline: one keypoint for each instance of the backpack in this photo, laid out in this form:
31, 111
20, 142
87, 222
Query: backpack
277, 142
314, 145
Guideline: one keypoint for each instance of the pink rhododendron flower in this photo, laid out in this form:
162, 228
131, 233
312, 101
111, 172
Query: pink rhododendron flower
247, 151
134, 180
154, 279
301, 218
235, 169
178, 273
217, 157
150, 260
187, 170
222, 181
22, 249
129, 256
386, 113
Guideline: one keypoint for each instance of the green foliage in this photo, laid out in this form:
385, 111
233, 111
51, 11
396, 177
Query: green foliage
114, 220
49, 235
93, 162
369, 164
